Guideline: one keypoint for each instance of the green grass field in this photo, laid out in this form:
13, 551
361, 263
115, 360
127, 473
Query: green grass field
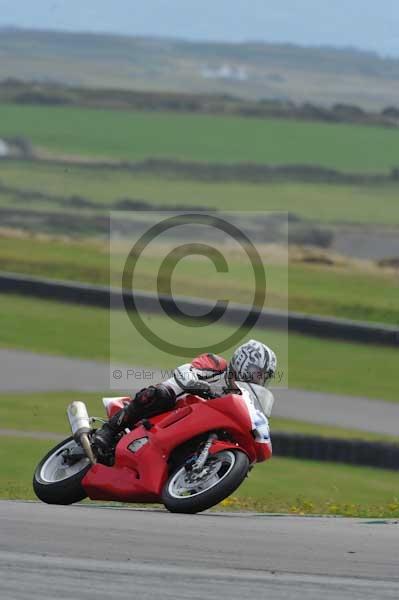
342, 291
139, 135
327, 203
275, 486
318, 365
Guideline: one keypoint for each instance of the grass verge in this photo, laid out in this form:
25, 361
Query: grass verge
306, 487
18, 459
44, 411
280, 485
346, 289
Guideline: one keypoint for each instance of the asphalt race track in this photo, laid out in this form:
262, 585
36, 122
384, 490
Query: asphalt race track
28, 372
86, 553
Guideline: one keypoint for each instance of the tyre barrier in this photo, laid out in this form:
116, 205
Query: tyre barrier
104, 297
347, 451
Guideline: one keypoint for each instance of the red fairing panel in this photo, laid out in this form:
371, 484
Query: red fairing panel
133, 478
263, 451
257, 452
139, 475
118, 484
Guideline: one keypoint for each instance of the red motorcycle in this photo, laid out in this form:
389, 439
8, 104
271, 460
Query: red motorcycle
189, 459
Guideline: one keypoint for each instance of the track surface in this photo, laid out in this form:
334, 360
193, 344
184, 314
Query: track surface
24, 372
93, 553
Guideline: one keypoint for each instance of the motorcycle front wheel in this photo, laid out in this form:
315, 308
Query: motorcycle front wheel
57, 481
190, 492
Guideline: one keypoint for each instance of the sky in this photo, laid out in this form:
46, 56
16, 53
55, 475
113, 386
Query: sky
365, 24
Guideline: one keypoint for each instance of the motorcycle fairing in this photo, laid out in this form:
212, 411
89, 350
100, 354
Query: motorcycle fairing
139, 476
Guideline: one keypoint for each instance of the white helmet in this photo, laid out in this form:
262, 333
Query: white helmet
253, 362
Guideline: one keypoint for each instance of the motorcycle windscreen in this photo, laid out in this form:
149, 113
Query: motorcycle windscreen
262, 397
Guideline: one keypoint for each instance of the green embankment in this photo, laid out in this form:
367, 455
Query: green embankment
319, 365
138, 135
341, 291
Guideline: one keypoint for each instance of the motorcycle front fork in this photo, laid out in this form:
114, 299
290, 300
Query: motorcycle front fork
197, 462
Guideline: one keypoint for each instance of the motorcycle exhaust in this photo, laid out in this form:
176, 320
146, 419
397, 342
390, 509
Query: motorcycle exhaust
80, 425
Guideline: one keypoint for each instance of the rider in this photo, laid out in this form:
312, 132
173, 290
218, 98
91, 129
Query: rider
208, 375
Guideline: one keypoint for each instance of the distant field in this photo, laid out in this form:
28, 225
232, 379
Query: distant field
138, 135
318, 75
320, 202
342, 291
314, 364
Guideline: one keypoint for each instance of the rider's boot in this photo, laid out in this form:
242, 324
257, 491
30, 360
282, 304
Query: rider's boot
148, 402
106, 437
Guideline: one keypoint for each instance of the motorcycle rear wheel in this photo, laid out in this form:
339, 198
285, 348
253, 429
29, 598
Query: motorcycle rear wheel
56, 482
223, 473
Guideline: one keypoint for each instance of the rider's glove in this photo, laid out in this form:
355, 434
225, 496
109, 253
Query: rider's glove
190, 384
199, 388
150, 401
155, 394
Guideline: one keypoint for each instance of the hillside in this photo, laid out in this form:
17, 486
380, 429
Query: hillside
254, 70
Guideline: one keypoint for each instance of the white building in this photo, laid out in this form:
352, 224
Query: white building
4, 149
226, 71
